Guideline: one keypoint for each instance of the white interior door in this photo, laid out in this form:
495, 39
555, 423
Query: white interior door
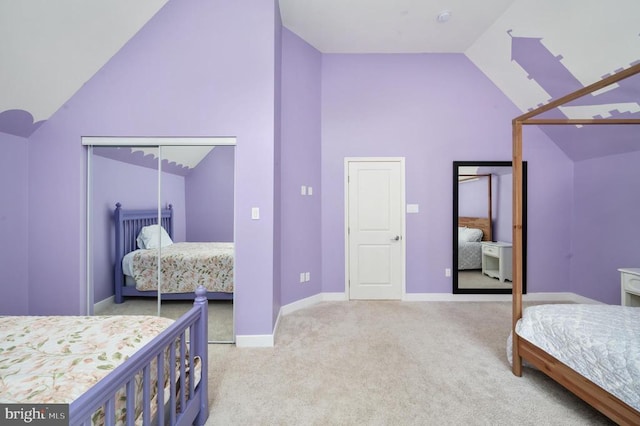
375, 227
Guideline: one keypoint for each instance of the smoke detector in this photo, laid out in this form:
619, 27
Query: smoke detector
443, 16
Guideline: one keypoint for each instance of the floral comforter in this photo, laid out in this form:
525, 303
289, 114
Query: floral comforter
55, 359
185, 266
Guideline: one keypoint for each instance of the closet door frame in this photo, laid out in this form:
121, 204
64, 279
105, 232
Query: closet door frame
118, 141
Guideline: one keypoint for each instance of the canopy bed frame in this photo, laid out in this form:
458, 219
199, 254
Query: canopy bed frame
481, 223
601, 399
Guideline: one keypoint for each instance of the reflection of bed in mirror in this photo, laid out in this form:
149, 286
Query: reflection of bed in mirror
184, 265
471, 231
482, 193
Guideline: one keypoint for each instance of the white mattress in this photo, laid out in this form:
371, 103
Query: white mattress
600, 342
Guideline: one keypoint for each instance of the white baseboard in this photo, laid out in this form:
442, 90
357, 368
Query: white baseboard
529, 297
335, 297
300, 304
103, 304
449, 297
254, 341
558, 297
268, 340
312, 300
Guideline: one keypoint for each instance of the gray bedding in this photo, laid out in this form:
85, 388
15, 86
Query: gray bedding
469, 255
600, 342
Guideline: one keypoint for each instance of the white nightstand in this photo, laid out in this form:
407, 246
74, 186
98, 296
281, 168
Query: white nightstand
497, 260
630, 286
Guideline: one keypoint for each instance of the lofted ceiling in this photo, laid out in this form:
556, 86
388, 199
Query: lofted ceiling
51, 48
391, 26
533, 51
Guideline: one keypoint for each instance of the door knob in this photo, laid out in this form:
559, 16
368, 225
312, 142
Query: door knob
396, 238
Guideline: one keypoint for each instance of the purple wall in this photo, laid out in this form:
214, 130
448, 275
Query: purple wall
196, 69
18, 122
605, 233
432, 109
547, 69
601, 201
276, 296
472, 198
209, 197
134, 187
300, 155
212, 68
550, 212
472, 201
14, 271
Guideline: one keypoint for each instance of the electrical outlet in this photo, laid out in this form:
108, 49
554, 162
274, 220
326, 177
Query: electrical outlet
301, 277
307, 276
447, 272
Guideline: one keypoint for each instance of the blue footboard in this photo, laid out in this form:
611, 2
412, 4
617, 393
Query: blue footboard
186, 404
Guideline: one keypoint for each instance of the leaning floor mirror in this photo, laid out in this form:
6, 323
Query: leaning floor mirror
482, 227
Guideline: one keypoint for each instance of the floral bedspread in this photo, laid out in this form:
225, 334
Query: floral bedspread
55, 359
185, 266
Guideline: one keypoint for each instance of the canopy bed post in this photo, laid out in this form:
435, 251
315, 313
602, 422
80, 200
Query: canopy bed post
490, 201
484, 224
517, 241
600, 396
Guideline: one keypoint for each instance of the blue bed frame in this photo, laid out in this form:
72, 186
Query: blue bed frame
185, 406
128, 224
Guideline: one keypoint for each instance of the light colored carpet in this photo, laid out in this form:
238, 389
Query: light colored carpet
476, 279
220, 313
379, 363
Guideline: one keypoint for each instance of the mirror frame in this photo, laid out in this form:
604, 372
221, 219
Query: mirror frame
454, 268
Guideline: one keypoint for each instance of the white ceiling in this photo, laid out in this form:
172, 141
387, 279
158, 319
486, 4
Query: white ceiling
390, 26
49, 49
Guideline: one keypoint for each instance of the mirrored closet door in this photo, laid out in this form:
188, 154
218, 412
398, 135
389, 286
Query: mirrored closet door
197, 191
138, 267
